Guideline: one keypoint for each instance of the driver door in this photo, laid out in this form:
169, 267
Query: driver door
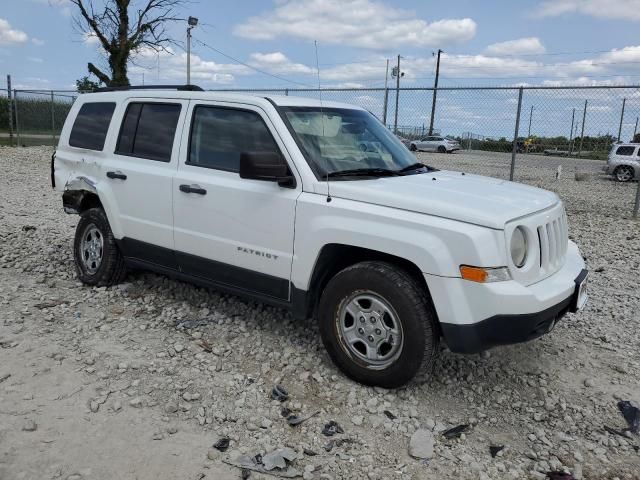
231, 231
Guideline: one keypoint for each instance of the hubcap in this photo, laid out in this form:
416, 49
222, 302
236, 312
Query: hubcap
369, 329
91, 248
624, 174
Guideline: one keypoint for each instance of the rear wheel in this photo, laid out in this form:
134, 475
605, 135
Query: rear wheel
97, 257
378, 325
442, 149
624, 173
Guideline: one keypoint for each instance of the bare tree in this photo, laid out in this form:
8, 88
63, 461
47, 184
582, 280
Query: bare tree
121, 34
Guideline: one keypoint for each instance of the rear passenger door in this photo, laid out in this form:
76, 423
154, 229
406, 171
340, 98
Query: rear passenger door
140, 176
232, 231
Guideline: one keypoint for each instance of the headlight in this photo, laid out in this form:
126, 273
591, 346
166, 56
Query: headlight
518, 247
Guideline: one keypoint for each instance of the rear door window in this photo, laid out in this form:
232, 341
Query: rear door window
625, 150
91, 125
148, 130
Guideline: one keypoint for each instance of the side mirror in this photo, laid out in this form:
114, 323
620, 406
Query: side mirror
267, 166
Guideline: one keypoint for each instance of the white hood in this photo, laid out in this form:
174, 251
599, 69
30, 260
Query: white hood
485, 201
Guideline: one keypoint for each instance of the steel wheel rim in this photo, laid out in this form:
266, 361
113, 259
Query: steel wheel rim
91, 248
624, 174
369, 329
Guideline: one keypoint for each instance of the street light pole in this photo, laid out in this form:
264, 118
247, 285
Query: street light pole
192, 21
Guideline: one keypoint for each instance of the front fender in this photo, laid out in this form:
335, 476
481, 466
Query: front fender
437, 246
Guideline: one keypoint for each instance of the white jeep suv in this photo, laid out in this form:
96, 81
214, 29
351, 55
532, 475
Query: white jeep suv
272, 198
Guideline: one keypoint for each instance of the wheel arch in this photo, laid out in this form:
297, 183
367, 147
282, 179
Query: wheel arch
79, 201
334, 258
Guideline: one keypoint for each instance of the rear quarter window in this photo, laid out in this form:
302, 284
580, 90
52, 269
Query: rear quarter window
91, 125
625, 151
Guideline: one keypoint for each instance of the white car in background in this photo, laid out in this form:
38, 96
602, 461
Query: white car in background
434, 143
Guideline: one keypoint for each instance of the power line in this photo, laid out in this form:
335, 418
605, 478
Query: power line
249, 66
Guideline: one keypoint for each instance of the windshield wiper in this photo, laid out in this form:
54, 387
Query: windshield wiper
414, 166
364, 172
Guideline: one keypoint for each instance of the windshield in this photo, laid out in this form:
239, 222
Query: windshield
341, 140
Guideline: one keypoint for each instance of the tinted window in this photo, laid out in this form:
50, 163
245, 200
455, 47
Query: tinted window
91, 125
219, 135
148, 130
625, 150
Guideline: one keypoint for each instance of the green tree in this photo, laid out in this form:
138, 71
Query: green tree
85, 84
123, 28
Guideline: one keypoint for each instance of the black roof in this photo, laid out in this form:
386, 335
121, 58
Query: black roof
188, 88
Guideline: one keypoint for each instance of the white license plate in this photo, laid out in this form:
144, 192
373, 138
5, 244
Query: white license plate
583, 294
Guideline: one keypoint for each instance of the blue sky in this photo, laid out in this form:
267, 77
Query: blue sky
567, 41
524, 42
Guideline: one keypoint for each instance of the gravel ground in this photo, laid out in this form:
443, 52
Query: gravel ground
139, 381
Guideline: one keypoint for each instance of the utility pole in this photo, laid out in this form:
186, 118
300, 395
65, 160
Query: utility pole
624, 101
435, 93
584, 117
398, 74
10, 106
192, 21
530, 117
386, 95
573, 117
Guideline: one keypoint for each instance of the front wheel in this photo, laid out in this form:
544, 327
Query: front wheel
97, 257
378, 324
442, 149
413, 147
624, 173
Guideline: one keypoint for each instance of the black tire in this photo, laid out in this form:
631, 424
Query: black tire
624, 173
442, 149
415, 313
413, 147
111, 269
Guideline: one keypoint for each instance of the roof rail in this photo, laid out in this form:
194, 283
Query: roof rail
188, 88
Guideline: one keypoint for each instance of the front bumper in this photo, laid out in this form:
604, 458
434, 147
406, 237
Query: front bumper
476, 317
507, 329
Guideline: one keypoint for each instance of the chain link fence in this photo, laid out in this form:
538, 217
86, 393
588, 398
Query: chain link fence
534, 135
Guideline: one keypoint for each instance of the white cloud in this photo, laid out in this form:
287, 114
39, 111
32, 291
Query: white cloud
35, 59
9, 35
173, 67
37, 42
618, 9
90, 38
357, 23
277, 62
526, 46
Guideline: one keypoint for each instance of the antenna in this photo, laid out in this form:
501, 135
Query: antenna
315, 42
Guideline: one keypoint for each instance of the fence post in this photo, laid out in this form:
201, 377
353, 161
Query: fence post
15, 101
385, 106
584, 117
515, 136
10, 107
636, 209
53, 121
624, 100
286, 92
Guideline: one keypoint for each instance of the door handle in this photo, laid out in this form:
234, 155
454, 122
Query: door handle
193, 189
117, 174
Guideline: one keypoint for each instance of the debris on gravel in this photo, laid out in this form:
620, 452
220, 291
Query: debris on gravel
421, 444
205, 363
